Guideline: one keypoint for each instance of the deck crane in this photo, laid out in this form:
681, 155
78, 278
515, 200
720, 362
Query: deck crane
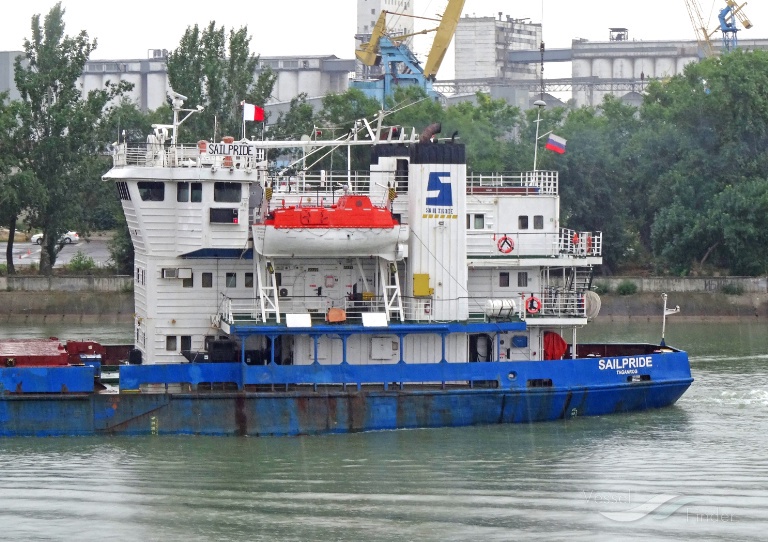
727, 18
400, 66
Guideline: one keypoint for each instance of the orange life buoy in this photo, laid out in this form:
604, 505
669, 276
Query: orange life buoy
505, 245
533, 304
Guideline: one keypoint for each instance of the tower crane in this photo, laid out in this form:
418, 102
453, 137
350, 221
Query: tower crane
400, 66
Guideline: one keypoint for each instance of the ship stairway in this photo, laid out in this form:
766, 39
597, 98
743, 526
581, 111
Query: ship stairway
269, 303
393, 300
580, 280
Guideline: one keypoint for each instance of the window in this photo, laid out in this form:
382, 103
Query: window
207, 280
152, 190
504, 279
522, 222
522, 279
231, 280
538, 222
188, 283
170, 343
197, 192
249, 280
182, 192
227, 192
186, 343
475, 222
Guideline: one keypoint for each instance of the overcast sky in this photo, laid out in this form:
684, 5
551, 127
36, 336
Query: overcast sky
295, 27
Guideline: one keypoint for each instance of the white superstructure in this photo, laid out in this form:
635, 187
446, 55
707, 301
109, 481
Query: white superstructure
461, 249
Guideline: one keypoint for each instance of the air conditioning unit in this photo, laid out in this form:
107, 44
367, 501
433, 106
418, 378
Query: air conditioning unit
177, 272
284, 291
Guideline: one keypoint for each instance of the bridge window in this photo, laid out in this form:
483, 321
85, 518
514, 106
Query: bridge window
186, 343
207, 280
231, 280
170, 343
182, 191
188, 283
249, 280
197, 192
538, 222
522, 279
522, 222
227, 192
504, 279
151, 190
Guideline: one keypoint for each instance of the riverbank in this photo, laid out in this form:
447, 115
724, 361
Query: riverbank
117, 307
86, 307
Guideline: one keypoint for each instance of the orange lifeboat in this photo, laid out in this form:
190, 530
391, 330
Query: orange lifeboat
354, 226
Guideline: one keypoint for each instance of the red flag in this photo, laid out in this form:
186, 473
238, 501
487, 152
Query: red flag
252, 112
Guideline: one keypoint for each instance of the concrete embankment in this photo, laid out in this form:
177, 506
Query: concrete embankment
694, 306
71, 307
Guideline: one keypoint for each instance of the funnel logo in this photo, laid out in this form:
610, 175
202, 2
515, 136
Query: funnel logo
439, 203
439, 191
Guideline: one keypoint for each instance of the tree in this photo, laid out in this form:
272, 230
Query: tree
595, 178
17, 187
59, 128
705, 138
217, 72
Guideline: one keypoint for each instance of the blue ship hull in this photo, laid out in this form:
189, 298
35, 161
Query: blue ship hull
341, 398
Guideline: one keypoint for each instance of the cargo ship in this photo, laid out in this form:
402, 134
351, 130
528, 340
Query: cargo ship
301, 300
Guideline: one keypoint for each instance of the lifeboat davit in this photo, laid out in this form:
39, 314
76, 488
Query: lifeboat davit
353, 227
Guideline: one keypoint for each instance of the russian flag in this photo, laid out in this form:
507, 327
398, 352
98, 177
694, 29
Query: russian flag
555, 143
252, 112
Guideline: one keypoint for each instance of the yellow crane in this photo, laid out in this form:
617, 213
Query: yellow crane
733, 10
368, 53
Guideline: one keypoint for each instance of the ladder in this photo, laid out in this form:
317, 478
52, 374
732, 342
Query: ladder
393, 301
268, 293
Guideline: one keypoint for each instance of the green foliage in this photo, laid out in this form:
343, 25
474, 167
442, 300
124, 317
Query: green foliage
601, 288
732, 288
81, 263
3, 270
626, 287
216, 71
121, 249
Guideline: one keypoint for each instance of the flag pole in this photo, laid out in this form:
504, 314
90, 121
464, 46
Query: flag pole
539, 104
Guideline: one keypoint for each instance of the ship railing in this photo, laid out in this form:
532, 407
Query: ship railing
327, 183
512, 245
518, 184
417, 309
580, 243
160, 155
552, 302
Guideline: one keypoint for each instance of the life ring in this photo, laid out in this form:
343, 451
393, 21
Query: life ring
505, 245
533, 305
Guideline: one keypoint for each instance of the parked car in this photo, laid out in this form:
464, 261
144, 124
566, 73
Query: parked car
67, 238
